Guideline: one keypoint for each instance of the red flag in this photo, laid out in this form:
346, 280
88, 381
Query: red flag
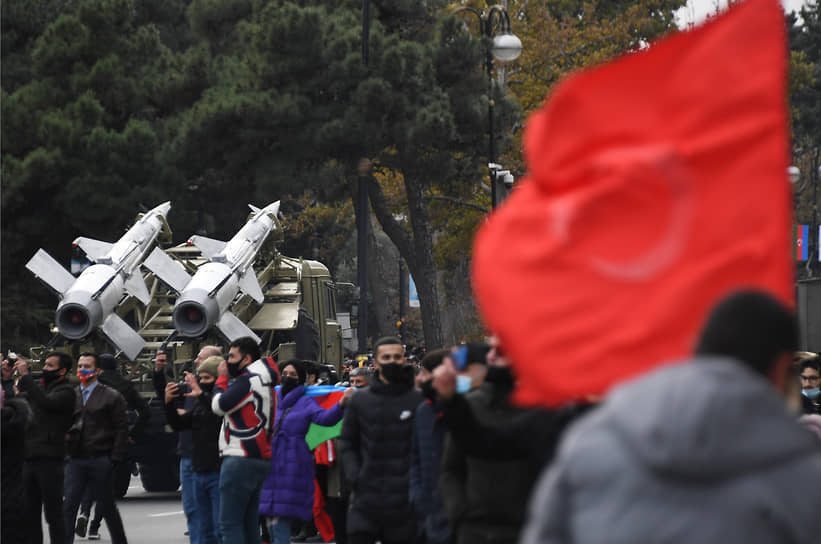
657, 186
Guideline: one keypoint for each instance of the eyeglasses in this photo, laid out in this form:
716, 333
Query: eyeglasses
812, 379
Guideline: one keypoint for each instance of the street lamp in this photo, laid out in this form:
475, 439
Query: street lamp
505, 47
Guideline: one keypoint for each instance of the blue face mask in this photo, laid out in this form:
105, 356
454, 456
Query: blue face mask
809, 393
463, 384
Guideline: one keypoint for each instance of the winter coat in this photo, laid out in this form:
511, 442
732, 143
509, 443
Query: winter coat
247, 403
374, 447
16, 417
289, 488
138, 413
53, 414
426, 455
204, 426
699, 452
486, 499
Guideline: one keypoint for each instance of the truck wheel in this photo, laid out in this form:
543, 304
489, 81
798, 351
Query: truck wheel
306, 336
160, 477
122, 478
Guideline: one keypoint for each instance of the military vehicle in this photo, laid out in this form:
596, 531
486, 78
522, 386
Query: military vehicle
296, 318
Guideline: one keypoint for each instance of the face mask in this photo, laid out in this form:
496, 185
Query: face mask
395, 373
207, 387
50, 375
463, 384
233, 369
428, 391
499, 376
86, 375
288, 385
811, 393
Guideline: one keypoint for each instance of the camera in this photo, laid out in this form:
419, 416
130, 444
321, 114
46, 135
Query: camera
183, 387
12, 357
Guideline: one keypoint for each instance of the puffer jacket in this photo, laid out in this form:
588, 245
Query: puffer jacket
375, 447
704, 451
289, 488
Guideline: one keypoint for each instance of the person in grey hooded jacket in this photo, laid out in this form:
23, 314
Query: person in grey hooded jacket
699, 451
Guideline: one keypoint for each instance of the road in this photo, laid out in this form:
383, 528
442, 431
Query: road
149, 518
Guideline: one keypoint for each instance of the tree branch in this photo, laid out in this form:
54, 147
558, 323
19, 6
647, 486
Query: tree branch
391, 226
462, 203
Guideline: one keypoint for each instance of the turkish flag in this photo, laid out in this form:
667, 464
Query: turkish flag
657, 186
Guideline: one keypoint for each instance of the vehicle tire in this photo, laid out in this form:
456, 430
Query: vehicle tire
306, 336
160, 477
122, 478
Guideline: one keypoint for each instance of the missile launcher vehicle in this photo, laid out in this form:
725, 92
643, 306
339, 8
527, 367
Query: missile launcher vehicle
205, 292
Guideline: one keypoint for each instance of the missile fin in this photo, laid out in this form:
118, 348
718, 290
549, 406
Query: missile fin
232, 328
208, 246
94, 249
169, 272
123, 337
50, 272
249, 285
135, 286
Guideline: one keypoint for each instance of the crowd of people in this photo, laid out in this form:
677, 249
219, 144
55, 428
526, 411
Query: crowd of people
434, 451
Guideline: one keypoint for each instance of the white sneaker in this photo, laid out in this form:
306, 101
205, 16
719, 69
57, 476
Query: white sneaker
93, 535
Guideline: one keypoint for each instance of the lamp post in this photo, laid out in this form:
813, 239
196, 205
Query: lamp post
505, 47
363, 172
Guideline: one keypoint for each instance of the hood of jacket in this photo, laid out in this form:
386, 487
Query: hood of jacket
706, 419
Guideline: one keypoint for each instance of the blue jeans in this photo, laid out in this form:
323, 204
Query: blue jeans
189, 503
207, 496
281, 530
241, 480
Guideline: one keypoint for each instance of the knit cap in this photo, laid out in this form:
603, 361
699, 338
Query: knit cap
210, 365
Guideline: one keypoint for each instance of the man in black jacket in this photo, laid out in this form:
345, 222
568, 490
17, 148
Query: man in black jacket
99, 439
138, 416
43, 472
375, 447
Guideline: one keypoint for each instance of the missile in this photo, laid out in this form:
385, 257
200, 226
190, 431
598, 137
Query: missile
87, 303
205, 299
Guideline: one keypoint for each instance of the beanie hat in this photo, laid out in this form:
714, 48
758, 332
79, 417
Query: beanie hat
108, 361
211, 365
477, 352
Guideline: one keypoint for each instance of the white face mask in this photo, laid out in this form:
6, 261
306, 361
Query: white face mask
811, 393
463, 384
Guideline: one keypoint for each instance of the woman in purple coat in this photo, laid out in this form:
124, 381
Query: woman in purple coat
288, 492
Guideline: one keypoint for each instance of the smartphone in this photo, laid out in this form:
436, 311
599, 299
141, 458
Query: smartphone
460, 357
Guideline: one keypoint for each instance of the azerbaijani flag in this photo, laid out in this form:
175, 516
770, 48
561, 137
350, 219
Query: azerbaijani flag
802, 242
326, 396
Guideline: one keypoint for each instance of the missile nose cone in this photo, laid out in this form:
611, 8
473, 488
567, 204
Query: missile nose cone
163, 208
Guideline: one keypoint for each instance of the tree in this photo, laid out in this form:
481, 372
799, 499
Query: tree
81, 136
805, 102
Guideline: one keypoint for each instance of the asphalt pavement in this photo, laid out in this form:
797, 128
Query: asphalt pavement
149, 518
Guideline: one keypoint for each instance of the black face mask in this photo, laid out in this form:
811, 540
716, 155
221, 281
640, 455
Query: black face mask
207, 387
289, 384
396, 373
50, 375
428, 391
233, 369
500, 376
